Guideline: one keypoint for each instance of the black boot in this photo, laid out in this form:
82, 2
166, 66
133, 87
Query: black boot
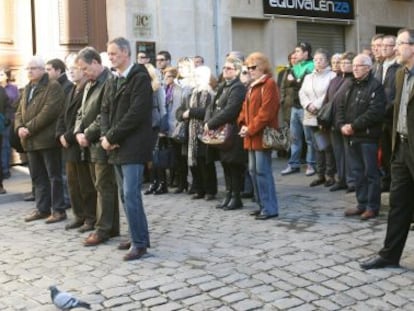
225, 201
152, 187
235, 202
162, 188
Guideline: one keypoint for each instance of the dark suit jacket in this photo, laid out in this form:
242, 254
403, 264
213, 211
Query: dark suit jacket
399, 82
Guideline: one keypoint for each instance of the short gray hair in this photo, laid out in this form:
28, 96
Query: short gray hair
122, 43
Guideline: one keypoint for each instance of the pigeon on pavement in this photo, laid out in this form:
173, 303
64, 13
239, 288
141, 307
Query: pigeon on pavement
65, 301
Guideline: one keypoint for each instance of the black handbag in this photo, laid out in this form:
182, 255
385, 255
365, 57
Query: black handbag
163, 155
180, 133
325, 115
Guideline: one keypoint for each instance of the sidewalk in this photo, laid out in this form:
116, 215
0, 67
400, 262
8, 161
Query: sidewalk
207, 259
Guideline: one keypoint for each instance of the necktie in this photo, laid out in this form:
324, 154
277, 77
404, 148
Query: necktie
31, 91
119, 82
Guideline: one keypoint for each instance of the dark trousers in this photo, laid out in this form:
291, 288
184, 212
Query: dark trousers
401, 203
363, 160
343, 169
204, 176
46, 172
325, 159
81, 191
107, 208
233, 176
386, 146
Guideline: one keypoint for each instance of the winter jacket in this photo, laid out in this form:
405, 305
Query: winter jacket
260, 109
363, 106
40, 115
126, 118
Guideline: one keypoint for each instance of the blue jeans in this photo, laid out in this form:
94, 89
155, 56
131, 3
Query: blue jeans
363, 161
5, 151
129, 178
260, 169
296, 135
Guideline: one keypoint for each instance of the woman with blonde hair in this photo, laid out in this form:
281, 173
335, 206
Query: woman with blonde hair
260, 109
157, 186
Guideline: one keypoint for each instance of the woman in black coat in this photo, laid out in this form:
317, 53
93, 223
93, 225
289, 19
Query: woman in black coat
225, 109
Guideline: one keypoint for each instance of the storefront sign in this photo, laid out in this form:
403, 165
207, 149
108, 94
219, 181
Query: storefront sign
142, 25
338, 9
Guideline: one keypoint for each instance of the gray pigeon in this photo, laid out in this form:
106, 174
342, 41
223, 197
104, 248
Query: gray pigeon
65, 301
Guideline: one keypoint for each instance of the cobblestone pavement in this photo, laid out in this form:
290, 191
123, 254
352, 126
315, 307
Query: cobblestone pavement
208, 259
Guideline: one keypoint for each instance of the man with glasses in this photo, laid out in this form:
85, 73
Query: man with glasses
389, 68
163, 60
402, 165
359, 118
35, 123
143, 58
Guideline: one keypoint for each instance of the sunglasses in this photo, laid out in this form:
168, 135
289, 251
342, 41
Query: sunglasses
252, 67
160, 59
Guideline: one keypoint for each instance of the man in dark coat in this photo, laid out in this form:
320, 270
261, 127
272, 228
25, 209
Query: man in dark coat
35, 123
80, 185
88, 132
402, 165
360, 118
126, 125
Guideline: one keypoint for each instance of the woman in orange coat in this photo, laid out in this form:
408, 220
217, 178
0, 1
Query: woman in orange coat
260, 109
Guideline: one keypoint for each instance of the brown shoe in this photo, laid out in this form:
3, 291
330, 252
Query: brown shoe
36, 215
94, 239
125, 245
56, 217
74, 224
353, 211
135, 253
86, 227
368, 214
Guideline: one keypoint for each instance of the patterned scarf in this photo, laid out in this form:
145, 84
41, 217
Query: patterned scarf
199, 99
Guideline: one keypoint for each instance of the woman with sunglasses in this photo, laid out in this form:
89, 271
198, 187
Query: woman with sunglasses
260, 109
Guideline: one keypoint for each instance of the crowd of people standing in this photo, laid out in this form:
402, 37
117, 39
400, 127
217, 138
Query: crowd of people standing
105, 131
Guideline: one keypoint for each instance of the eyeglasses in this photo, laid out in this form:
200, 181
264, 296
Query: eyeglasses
32, 68
141, 57
160, 59
359, 65
252, 67
398, 43
227, 68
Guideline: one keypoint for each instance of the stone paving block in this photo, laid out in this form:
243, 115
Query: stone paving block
234, 297
172, 286
200, 279
272, 296
196, 299
350, 281
304, 307
128, 307
335, 285
357, 294
395, 299
206, 305
170, 306
372, 290
304, 294
325, 304
144, 295
265, 277
118, 301
155, 282
223, 291
282, 285
330, 273
208, 286
183, 293
247, 283
299, 282
149, 303
246, 305
320, 290
401, 281
287, 303
118, 291
379, 304
315, 277
343, 300
261, 289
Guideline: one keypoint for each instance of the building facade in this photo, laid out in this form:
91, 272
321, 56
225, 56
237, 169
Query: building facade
211, 28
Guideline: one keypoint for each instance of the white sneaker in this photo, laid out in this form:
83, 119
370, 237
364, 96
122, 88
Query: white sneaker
310, 171
290, 170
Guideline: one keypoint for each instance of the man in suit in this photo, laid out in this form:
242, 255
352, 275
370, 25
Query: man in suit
402, 165
126, 124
